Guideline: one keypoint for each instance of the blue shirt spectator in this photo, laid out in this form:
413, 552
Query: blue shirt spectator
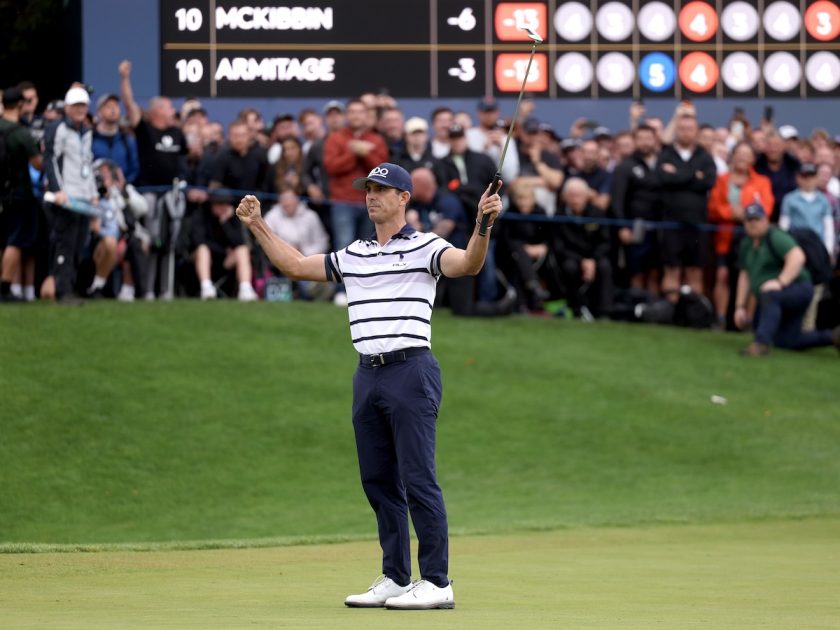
807, 207
112, 143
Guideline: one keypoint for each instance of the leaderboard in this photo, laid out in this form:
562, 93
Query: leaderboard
463, 48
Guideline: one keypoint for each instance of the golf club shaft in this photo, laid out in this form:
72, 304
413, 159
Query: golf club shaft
497, 178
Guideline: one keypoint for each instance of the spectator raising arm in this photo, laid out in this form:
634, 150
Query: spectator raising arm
132, 109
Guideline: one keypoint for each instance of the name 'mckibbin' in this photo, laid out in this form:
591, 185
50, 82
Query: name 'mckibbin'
275, 18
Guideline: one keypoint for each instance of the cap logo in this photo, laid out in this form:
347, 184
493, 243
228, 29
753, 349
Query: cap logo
378, 172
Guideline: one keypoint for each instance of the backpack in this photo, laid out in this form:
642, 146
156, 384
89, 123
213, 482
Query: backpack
656, 311
817, 260
694, 310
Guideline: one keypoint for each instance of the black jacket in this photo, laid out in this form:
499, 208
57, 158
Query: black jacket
313, 168
782, 180
241, 172
685, 193
480, 171
636, 192
579, 240
404, 159
514, 233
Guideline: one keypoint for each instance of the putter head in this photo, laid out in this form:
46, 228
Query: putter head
533, 35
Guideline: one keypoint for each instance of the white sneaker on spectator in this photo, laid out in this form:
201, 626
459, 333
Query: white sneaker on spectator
246, 293
149, 296
340, 299
423, 596
126, 293
375, 597
208, 292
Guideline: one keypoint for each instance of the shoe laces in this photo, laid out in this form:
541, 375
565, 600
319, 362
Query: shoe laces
382, 579
420, 586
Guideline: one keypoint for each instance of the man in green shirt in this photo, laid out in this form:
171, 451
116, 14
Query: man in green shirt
773, 269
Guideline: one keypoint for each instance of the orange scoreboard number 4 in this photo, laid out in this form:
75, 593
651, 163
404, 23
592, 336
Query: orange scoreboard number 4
699, 72
698, 21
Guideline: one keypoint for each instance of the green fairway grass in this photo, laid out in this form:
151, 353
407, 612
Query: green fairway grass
192, 421
761, 575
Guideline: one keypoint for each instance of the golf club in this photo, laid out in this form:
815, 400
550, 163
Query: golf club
497, 178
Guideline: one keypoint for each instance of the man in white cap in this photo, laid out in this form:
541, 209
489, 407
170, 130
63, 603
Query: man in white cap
416, 153
68, 159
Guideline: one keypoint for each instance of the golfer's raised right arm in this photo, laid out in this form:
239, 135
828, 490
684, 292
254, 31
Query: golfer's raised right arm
286, 258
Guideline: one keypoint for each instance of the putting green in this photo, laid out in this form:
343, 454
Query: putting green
749, 575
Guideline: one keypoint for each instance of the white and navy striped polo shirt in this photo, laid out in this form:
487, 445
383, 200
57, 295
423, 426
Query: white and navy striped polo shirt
390, 289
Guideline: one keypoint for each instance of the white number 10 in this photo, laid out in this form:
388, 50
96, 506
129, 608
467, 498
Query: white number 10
189, 70
188, 19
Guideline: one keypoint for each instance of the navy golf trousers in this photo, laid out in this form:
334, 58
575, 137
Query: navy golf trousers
395, 410
779, 319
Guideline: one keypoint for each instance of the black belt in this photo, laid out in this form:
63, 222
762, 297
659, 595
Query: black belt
384, 358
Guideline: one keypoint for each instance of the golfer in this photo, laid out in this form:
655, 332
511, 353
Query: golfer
390, 281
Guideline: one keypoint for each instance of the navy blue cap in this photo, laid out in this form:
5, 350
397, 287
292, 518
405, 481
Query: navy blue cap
754, 211
457, 131
386, 174
488, 104
531, 125
569, 144
808, 169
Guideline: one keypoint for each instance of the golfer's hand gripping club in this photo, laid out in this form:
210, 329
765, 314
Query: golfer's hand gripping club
489, 206
492, 189
496, 184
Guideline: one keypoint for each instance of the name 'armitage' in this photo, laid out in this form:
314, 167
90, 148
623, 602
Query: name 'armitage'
275, 18
276, 69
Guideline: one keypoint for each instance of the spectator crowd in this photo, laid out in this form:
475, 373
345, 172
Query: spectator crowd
104, 199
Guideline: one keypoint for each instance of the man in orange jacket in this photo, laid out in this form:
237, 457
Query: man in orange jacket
732, 192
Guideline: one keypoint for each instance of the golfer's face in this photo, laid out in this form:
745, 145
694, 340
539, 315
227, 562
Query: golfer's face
383, 203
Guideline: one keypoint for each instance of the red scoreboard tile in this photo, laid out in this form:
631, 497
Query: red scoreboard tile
699, 72
698, 21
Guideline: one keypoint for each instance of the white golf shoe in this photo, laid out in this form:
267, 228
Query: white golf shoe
379, 591
423, 596
208, 291
247, 293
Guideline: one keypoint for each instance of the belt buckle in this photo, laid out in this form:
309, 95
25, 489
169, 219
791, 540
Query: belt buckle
381, 359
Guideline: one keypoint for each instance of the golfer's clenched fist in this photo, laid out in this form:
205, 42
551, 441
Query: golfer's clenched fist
248, 210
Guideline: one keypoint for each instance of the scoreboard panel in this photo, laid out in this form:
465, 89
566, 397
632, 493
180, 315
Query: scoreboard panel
463, 48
